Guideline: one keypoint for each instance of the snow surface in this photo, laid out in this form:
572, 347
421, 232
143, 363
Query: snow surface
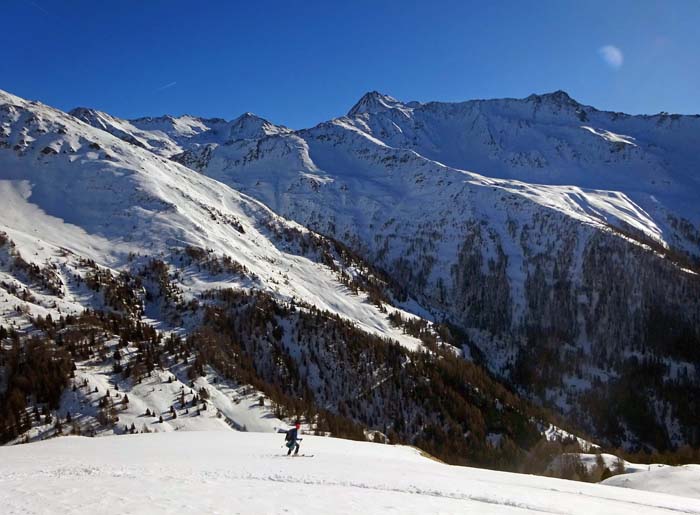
205, 472
683, 480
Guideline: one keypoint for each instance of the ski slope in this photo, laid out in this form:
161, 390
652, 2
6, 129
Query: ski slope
215, 472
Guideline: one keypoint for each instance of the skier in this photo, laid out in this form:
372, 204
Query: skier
292, 439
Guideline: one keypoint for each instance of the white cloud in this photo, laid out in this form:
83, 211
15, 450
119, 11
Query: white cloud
612, 56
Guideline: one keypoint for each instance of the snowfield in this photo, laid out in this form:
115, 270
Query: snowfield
236, 472
684, 480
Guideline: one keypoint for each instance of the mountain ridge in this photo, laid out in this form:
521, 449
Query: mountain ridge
488, 249
121, 270
558, 287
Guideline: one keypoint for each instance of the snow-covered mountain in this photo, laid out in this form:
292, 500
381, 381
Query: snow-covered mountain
552, 139
69, 189
163, 299
554, 243
568, 249
169, 136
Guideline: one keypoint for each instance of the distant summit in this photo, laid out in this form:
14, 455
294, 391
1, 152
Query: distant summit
374, 102
558, 97
251, 126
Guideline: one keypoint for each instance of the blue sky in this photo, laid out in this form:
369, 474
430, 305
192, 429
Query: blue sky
302, 62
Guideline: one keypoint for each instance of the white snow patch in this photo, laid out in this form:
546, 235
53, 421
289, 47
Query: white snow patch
215, 472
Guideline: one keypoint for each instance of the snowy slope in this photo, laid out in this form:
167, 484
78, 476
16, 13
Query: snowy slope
247, 473
683, 480
156, 141
72, 191
552, 139
546, 139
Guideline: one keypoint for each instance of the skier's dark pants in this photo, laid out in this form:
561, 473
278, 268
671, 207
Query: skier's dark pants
291, 445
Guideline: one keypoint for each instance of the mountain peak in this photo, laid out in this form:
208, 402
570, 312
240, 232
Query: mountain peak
93, 117
251, 126
80, 111
249, 117
559, 97
374, 102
